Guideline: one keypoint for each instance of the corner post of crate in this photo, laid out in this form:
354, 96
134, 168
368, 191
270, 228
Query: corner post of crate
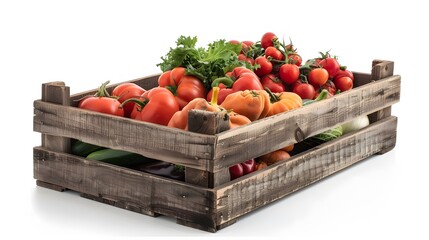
381, 69
58, 93
206, 122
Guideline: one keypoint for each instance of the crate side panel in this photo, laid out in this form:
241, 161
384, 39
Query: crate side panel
279, 180
124, 187
151, 140
275, 132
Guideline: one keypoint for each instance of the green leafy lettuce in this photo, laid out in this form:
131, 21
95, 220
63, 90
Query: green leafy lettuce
206, 64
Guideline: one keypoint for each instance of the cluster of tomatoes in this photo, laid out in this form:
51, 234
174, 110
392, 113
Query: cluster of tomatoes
280, 68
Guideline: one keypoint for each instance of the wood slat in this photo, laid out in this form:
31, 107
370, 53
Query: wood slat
58, 93
380, 70
151, 140
263, 187
275, 132
126, 188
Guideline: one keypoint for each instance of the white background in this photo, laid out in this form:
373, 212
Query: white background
85, 43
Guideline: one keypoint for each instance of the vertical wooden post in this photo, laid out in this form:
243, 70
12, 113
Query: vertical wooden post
381, 69
208, 123
55, 92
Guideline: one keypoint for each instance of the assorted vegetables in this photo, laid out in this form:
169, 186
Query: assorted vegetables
248, 80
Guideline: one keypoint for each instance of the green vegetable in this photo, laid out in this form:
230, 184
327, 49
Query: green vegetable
206, 64
318, 139
323, 95
118, 157
82, 149
329, 135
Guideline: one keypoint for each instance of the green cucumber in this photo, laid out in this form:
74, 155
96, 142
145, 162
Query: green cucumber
118, 157
83, 149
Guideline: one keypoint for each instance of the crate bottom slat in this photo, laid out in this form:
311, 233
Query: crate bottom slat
209, 209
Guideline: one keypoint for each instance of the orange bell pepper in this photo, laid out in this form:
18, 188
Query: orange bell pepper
254, 104
283, 102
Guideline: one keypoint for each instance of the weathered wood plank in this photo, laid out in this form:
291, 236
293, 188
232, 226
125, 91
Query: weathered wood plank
50, 186
207, 123
126, 188
265, 186
151, 140
284, 129
380, 70
58, 93
361, 79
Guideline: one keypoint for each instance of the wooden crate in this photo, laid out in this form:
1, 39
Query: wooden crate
208, 200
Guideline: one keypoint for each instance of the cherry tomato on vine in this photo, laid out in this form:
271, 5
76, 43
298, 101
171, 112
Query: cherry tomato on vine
265, 66
295, 58
242, 57
274, 53
330, 86
304, 90
331, 65
248, 43
343, 83
343, 72
267, 39
318, 76
289, 73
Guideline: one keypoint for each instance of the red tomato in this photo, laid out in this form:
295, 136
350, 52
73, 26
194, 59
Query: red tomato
268, 39
159, 105
343, 83
343, 72
331, 65
304, 90
265, 66
318, 76
274, 53
295, 58
248, 43
330, 86
126, 91
273, 83
242, 57
105, 105
184, 87
289, 73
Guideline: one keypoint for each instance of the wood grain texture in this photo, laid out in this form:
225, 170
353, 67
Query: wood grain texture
275, 132
260, 188
58, 93
214, 152
125, 188
380, 70
203, 208
207, 123
151, 140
